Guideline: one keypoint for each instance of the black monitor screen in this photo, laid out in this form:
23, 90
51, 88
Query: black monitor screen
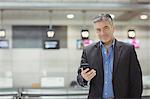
51, 44
4, 44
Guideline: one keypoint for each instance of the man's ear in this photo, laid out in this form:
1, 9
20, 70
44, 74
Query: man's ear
114, 28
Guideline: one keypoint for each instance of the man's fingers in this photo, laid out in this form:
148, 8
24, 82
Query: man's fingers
84, 71
88, 76
92, 75
91, 71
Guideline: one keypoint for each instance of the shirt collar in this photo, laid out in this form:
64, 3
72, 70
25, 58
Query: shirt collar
113, 43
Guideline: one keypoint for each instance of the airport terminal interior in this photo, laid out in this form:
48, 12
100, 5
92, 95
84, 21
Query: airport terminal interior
41, 43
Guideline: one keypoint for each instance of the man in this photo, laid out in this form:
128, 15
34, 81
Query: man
114, 70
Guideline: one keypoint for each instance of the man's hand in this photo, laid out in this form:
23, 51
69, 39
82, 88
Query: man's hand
88, 75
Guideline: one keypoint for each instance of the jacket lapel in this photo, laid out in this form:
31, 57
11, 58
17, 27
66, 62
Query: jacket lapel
99, 59
117, 54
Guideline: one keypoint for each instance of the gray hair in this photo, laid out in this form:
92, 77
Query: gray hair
103, 17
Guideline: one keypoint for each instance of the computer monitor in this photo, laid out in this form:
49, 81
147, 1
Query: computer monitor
4, 44
51, 44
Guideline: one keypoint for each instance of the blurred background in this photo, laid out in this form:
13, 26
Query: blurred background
41, 43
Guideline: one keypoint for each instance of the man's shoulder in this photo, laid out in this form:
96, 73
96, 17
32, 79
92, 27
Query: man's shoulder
124, 44
91, 46
120, 43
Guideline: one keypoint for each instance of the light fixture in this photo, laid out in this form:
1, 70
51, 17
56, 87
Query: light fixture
143, 17
84, 34
131, 33
70, 16
84, 31
2, 30
2, 33
50, 32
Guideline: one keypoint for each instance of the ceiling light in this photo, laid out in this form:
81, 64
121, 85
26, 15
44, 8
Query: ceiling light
143, 17
70, 16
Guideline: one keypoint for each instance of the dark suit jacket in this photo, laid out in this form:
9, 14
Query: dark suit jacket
127, 75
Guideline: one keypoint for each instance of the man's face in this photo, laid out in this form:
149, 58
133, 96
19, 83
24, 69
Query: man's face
104, 30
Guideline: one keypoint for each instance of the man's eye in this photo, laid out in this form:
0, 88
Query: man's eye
98, 30
106, 28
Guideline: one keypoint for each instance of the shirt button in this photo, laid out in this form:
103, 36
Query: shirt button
105, 93
105, 82
106, 72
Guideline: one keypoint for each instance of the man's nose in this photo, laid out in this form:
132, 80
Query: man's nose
102, 32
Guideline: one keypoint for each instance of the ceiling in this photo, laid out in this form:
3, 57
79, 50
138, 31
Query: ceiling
83, 1
124, 10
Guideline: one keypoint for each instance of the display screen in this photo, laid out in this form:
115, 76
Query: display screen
4, 44
80, 44
51, 44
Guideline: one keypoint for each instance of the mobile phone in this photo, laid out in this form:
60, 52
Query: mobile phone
85, 65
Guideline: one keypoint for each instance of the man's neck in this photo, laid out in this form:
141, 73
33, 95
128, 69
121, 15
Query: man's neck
108, 44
